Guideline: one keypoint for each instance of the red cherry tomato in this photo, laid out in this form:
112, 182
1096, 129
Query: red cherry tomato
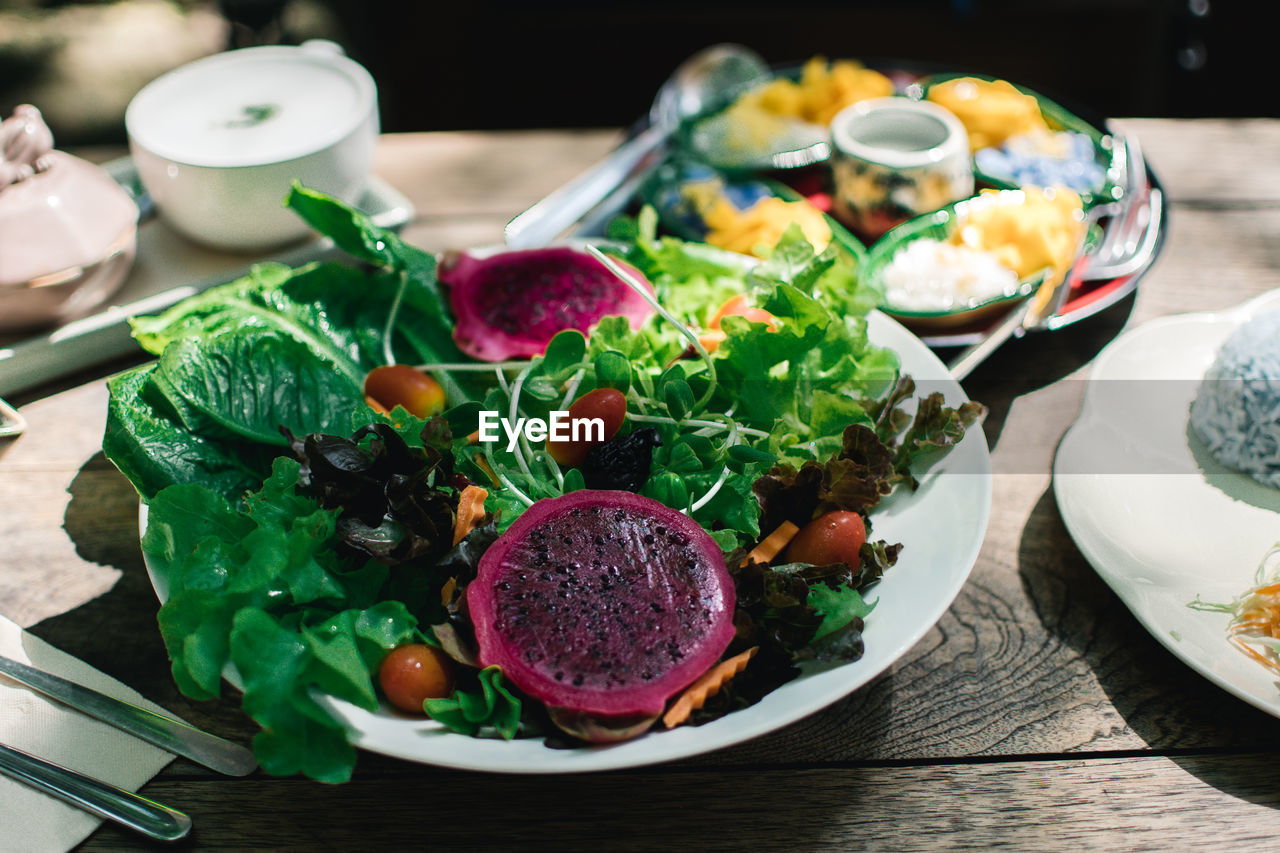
836, 537
412, 673
607, 404
402, 385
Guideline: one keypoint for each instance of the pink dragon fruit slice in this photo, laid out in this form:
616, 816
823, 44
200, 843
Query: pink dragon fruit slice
603, 605
510, 305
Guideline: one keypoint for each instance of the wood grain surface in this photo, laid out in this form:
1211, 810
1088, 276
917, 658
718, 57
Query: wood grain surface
1036, 715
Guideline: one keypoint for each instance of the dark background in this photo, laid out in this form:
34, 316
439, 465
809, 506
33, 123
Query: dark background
489, 64
493, 63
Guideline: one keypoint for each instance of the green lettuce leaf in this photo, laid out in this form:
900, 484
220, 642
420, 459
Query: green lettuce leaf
487, 707
839, 606
260, 586
153, 450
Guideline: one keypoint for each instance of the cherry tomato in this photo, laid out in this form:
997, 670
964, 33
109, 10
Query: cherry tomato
402, 385
415, 672
740, 306
836, 537
607, 404
710, 340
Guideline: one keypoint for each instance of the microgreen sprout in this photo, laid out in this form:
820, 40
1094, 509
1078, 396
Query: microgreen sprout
630, 280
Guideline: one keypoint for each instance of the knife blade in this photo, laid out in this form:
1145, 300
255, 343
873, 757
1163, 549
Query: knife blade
165, 732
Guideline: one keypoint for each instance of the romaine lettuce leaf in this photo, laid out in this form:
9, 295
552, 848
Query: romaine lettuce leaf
154, 449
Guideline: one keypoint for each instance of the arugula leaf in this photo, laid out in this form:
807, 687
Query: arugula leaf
351, 230
277, 347
431, 333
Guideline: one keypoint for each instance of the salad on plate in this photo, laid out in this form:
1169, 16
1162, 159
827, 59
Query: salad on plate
365, 488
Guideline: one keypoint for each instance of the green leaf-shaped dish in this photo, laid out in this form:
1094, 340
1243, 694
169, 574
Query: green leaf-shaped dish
1108, 155
940, 225
664, 191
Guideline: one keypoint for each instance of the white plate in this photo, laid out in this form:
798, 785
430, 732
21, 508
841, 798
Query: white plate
1161, 521
942, 526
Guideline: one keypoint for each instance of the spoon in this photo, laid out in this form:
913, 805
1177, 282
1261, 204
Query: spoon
700, 80
771, 142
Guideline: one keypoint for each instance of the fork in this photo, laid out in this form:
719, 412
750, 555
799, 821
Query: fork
1128, 244
1127, 247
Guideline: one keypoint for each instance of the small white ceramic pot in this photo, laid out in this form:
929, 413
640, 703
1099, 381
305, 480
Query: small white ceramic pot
895, 158
218, 142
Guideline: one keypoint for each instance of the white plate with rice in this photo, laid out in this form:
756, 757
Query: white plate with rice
1161, 520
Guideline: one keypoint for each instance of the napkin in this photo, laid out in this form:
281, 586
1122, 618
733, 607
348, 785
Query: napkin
34, 822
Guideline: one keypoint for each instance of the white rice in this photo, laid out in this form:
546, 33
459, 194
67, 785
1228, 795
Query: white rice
1236, 412
929, 275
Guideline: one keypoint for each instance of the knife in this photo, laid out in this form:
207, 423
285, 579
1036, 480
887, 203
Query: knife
95, 796
165, 732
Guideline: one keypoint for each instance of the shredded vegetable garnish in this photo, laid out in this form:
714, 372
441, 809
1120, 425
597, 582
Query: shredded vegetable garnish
1255, 616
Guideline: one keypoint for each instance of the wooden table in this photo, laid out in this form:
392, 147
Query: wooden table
1037, 714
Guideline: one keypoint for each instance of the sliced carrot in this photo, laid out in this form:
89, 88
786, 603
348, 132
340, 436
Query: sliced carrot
484, 466
376, 406
708, 685
1255, 654
470, 511
772, 545
474, 438
447, 591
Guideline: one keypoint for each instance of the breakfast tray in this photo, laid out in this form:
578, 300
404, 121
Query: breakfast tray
1131, 238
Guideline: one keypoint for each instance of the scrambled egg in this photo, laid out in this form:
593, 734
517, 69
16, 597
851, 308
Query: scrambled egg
822, 91
1026, 230
756, 230
785, 113
991, 111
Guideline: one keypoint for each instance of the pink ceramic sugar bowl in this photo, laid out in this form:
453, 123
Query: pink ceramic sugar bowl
67, 230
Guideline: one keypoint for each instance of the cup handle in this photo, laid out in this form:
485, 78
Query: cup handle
323, 47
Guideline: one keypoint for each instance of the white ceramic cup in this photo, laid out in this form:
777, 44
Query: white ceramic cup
218, 142
895, 158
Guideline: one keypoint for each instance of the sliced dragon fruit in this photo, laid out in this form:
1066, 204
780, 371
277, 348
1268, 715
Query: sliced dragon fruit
511, 304
602, 605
